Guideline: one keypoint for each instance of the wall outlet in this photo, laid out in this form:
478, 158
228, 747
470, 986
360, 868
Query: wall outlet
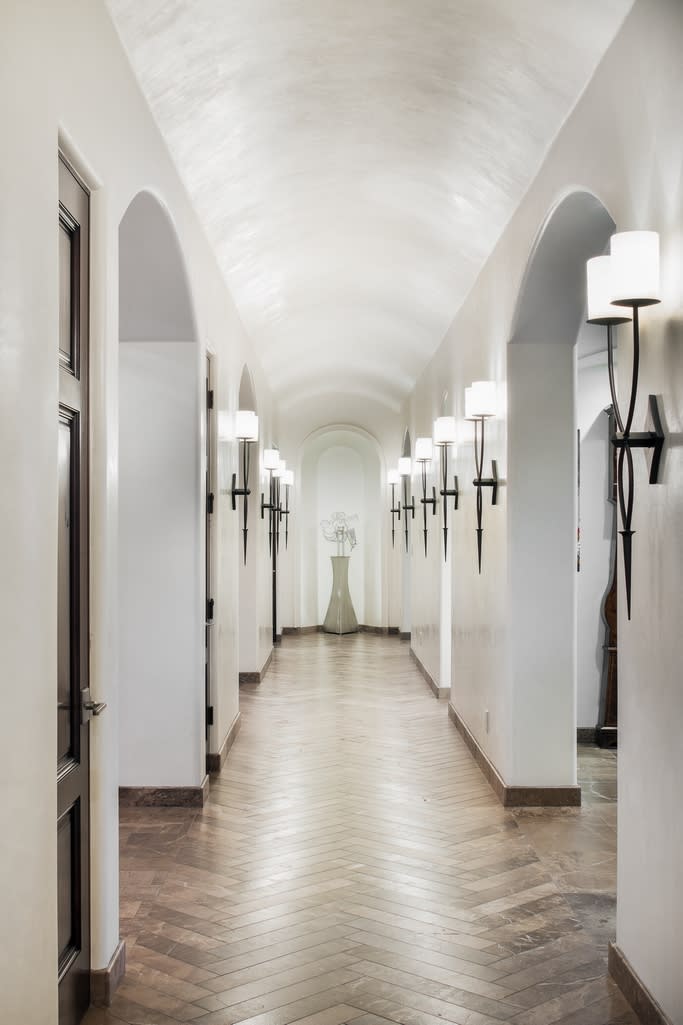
486, 720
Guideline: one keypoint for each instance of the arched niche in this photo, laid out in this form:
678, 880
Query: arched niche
341, 468
542, 487
161, 559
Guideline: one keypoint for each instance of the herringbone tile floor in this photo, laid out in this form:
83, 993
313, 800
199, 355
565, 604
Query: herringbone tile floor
352, 865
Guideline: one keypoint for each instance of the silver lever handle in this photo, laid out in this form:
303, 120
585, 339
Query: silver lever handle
89, 708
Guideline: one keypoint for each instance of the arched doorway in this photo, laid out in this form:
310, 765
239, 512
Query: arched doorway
161, 487
543, 492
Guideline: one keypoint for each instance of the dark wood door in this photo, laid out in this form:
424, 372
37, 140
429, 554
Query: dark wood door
73, 762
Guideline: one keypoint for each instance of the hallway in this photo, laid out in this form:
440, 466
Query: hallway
352, 865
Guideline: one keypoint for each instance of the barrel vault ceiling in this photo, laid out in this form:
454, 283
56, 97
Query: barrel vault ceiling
355, 161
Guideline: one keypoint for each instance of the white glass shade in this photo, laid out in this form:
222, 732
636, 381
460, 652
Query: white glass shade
634, 268
424, 452
271, 459
480, 400
393, 477
280, 469
404, 466
288, 478
444, 430
246, 425
600, 308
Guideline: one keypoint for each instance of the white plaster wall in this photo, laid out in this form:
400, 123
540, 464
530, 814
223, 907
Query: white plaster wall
161, 667
596, 516
62, 70
542, 562
425, 571
623, 143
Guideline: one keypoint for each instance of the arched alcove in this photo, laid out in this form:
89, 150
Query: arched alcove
161, 561
542, 483
341, 469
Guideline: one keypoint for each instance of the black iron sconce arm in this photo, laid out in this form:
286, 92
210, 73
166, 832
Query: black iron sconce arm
273, 507
424, 501
625, 440
408, 507
395, 511
447, 493
284, 515
482, 482
243, 491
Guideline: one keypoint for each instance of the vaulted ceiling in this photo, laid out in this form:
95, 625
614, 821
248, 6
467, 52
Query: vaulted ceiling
355, 161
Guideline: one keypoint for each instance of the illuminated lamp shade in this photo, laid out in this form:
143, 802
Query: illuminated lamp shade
288, 478
600, 308
404, 466
480, 400
280, 468
424, 452
444, 430
246, 425
271, 459
634, 268
393, 477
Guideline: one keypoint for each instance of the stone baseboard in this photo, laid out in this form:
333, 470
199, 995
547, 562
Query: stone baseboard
382, 631
257, 677
165, 797
512, 796
105, 981
586, 734
636, 992
438, 692
404, 635
215, 762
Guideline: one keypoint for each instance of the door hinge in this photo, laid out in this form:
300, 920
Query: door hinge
209, 715
209, 503
209, 398
209, 609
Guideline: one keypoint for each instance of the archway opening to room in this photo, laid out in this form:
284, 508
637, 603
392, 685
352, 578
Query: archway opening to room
162, 611
561, 519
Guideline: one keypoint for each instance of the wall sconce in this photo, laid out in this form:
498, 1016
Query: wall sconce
424, 453
480, 404
271, 463
444, 437
617, 286
405, 470
287, 479
393, 479
246, 432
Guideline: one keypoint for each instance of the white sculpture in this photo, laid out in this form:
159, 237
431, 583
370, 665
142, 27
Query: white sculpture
337, 530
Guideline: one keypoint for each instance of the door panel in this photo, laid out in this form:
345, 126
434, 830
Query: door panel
73, 752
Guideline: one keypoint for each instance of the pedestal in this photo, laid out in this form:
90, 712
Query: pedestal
340, 618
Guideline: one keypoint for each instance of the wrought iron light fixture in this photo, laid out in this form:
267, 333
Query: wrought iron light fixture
480, 405
246, 432
405, 470
393, 479
617, 286
424, 453
287, 480
444, 438
271, 463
